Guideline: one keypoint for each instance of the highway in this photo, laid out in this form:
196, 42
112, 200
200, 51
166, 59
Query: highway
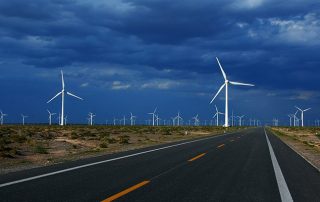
250, 165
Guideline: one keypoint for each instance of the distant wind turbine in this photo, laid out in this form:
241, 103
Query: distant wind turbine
50, 115
226, 83
91, 115
2, 115
62, 92
240, 120
23, 118
178, 117
217, 115
302, 114
153, 115
196, 120
132, 119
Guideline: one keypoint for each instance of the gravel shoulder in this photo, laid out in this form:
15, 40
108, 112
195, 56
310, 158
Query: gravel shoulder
305, 141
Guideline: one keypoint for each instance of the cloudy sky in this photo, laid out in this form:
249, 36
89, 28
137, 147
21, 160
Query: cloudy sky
126, 56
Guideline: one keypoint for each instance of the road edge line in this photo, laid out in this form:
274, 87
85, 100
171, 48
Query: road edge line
292, 148
282, 185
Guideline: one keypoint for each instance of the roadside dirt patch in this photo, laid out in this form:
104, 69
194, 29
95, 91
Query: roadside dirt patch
304, 141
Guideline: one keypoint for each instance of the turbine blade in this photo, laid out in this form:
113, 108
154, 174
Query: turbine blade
240, 84
218, 92
223, 73
216, 108
298, 108
54, 97
62, 79
307, 109
74, 96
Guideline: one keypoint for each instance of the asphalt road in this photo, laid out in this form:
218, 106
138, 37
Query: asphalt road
231, 167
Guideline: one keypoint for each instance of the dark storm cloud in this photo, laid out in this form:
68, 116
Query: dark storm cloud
253, 38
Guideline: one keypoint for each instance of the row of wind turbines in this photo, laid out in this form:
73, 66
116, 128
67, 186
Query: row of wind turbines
177, 120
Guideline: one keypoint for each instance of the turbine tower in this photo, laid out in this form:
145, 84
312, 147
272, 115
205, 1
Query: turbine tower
178, 117
91, 115
240, 120
226, 83
302, 114
50, 115
2, 115
217, 115
132, 119
153, 115
23, 118
62, 92
196, 120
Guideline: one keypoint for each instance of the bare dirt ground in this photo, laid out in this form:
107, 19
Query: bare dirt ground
305, 141
23, 147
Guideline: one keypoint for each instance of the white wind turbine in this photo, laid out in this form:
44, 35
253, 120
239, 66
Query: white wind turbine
196, 120
132, 119
240, 120
178, 117
23, 118
153, 115
217, 115
226, 83
50, 115
2, 115
62, 92
91, 115
302, 114
290, 117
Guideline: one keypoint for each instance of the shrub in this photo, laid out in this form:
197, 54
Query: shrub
103, 145
74, 135
19, 138
40, 149
111, 140
124, 139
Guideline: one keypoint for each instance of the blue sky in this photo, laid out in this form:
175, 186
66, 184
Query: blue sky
126, 56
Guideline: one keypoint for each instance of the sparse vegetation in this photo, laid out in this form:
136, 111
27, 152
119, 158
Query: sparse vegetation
35, 144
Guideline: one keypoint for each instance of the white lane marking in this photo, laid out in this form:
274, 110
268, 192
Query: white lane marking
105, 161
282, 185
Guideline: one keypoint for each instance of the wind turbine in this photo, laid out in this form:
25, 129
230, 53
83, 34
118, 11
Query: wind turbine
132, 119
226, 83
50, 115
153, 115
302, 113
196, 120
290, 117
217, 115
178, 117
23, 117
2, 115
240, 120
295, 119
62, 92
65, 119
157, 119
91, 115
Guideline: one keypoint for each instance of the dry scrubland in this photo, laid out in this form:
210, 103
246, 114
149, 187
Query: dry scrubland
30, 146
305, 141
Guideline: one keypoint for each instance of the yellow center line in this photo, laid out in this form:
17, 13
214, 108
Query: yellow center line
195, 158
222, 145
124, 192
